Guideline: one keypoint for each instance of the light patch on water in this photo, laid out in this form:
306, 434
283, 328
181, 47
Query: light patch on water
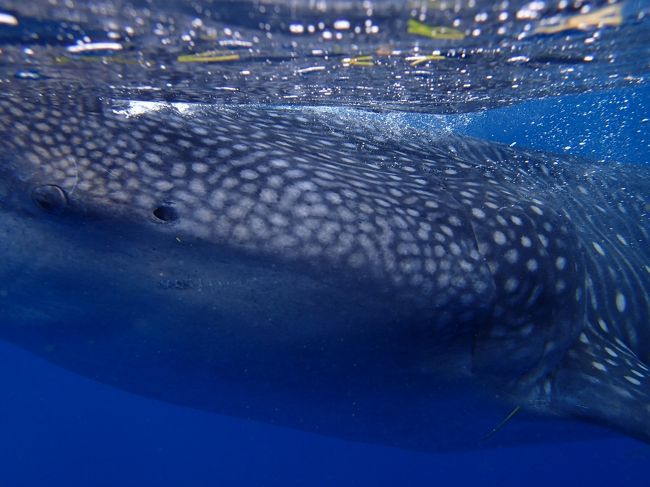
94, 46
136, 108
8, 19
567, 125
393, 125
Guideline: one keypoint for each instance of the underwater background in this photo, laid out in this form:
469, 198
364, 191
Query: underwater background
60, 429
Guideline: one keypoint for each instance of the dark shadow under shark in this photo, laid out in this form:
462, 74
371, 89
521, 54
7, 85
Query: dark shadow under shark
312, 269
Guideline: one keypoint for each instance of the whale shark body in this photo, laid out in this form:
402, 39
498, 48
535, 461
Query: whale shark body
312, 269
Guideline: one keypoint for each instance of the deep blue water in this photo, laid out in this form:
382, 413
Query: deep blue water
613, 126
59, 429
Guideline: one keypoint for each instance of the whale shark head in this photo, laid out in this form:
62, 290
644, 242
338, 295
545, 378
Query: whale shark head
238, 244
253, 186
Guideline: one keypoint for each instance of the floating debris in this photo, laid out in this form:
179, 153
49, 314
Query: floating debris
610, 16
208, 57
311, 69
364, 61
420, 59
94, 47
28, 74
433, 32
95, 59
235, 43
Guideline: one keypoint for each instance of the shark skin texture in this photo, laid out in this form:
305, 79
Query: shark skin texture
312, 268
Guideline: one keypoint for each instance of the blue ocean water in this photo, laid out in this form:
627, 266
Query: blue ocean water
59, 429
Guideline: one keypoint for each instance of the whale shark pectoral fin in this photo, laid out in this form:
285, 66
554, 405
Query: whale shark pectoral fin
599, 380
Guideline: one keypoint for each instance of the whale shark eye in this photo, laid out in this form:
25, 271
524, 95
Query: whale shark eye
50, 198
165, 214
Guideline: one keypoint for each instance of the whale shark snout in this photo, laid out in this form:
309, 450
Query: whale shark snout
297, 267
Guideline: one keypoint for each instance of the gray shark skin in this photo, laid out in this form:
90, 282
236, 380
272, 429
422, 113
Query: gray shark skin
311, 269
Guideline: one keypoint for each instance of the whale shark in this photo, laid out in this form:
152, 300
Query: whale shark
323, 270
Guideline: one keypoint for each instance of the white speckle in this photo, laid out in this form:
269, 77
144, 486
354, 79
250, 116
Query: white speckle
620, 343
204, 215
153, 158
511, 285
560, 263
516, 220
512, 256
603, 325
446, 230
198, 130
594, 301
224, 152
164, 185
197, 187
599, 366
248, 174
431, 204
621, 239
536, 209
532, 265
229, 183
584, 339
478, 213
620, 302
200, 168
499, 237
611, 352
525, 241
268, 195
178, 170
598, 248
279, 163
633, 380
